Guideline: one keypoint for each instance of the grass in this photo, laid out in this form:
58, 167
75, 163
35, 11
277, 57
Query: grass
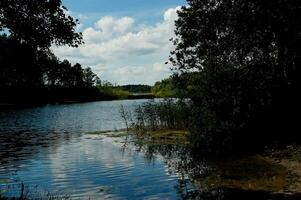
169, 114
177, 137
165, 137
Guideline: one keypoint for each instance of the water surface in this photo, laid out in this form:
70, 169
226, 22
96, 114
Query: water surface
47, 147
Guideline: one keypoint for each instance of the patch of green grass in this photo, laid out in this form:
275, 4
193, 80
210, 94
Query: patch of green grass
163, 137
158, 137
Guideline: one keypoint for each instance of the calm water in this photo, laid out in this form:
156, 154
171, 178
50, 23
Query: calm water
46, 147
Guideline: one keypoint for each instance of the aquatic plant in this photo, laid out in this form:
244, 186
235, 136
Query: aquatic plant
168, 114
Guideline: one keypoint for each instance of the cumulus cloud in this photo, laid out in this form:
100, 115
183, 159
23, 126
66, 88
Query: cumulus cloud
126, 49
109, 25
107, 28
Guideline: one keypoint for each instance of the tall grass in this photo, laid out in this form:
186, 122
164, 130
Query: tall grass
171, 114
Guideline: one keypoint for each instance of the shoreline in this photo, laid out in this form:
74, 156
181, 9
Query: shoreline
66, 102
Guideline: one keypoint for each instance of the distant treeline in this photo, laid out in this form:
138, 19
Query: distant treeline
29, 71
165, 89
136, 88
31, 74
161, 89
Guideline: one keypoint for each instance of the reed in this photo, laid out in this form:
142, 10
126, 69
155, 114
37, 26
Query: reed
168, 114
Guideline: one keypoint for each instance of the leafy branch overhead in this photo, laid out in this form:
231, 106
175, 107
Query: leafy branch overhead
239, 61
39, 23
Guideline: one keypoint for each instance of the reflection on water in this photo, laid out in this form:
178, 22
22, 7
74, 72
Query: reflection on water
218, 180
94, 167
27, 132
47, 147
79, 118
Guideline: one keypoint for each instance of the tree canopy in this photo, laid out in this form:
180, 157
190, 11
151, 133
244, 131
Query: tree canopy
39, 23
29, 71
240, 61
240, 33
164, 88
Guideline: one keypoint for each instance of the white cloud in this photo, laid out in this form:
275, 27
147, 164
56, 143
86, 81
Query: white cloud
160, 67
109, 25
128, 50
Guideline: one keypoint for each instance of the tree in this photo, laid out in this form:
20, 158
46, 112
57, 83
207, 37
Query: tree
164, 88
89, 78
18, 65
65, 75
39, 23
240, 62
31, 27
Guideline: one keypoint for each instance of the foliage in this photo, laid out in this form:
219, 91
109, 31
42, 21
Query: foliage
29, 71
168, 114
111, 92
125, 91
38, 24
63, 74
136, 88
27, 76
239, 62
164, 88
18, 64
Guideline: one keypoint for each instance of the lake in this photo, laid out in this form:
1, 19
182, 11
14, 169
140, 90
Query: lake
46, 149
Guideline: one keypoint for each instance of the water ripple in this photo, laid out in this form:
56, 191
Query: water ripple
45, 147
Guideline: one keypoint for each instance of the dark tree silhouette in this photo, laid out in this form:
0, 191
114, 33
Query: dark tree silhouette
29, 71
240, 61
39, 23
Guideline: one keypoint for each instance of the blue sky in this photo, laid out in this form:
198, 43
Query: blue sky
119, 5
149, 10
126, 41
